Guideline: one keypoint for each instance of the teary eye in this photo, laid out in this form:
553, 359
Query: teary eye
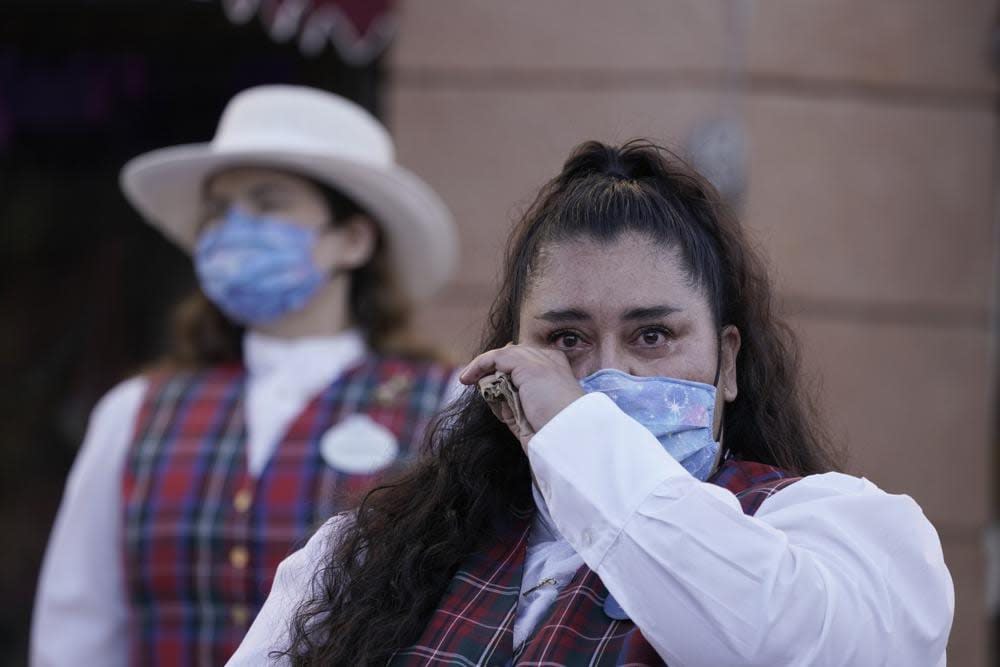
654, 336
569, 340
565, 340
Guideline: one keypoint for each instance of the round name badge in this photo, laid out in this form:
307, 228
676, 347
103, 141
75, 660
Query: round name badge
358, 445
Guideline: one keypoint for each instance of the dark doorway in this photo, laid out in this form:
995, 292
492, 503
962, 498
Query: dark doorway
86, 286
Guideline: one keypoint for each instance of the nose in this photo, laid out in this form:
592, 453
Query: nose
606, 354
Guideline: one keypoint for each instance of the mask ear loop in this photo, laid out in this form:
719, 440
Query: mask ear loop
725, 452
718, 359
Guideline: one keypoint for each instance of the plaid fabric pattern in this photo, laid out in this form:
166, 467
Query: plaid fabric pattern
751, 483
202, 538
474, 622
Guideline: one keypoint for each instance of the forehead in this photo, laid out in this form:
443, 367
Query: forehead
631, 272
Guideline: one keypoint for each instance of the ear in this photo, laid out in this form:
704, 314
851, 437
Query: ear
729, 340
349, 245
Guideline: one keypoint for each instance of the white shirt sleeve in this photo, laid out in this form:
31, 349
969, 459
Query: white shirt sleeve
81, 609
830, 571
292, 584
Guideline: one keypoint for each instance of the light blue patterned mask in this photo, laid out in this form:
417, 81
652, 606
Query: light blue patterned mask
679, 413
257, 269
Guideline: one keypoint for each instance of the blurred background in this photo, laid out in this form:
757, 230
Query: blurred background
858, 140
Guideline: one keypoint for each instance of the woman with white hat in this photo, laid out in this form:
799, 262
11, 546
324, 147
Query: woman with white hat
282, 400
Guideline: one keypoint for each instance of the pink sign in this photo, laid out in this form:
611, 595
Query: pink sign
359, 29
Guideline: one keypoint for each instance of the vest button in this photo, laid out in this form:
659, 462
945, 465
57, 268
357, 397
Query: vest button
242, 500
239, 557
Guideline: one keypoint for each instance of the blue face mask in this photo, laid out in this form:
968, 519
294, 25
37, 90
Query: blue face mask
678, 412
257, 269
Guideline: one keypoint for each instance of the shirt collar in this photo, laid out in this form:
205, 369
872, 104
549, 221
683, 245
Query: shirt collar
307, 360
542, 517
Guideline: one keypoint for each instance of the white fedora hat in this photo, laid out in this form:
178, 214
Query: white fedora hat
318, 135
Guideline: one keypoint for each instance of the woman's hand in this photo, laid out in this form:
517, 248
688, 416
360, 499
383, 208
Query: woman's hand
543, 378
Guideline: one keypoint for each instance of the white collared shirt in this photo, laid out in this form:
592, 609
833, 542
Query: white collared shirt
81, 611
830, 571
284, 375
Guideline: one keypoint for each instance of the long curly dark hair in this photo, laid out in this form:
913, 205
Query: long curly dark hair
387, 567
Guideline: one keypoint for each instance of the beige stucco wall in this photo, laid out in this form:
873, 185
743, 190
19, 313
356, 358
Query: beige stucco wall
871, 173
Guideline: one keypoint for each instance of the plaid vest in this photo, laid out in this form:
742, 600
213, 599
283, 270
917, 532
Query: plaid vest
202, 537
474, 622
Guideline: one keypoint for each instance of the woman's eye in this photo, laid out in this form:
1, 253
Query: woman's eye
208, 220
566, 340
569, 340
653, 337
212, 212
271, 205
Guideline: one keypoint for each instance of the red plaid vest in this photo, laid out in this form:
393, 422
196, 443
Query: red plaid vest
474, 622
202, 537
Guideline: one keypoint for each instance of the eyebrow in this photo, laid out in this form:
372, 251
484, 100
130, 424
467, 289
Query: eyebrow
259, 191
631, 315
650, 313
567, 315
264, 190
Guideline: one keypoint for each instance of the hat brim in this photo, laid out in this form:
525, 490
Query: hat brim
166, 187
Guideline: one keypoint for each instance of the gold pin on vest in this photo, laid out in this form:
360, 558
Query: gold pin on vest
389, 391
